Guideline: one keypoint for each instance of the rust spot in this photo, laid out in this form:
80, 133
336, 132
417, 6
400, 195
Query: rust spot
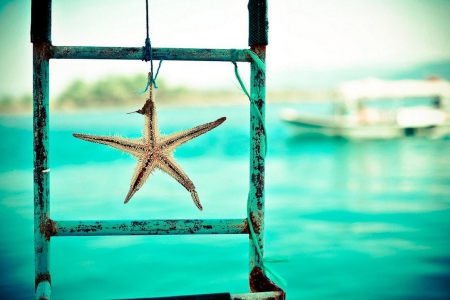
256, 224
245, 228
44, 50
260, 205
92, 228
258, 49
138, 225
259, 282
258, 181
259, 103
195, 225
172, 225
42, 277
48, 228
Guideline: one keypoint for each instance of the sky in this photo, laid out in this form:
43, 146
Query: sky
303, 34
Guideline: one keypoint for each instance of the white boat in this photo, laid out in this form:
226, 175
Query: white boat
359, 115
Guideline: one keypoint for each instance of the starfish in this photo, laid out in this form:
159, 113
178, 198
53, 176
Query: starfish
153, 150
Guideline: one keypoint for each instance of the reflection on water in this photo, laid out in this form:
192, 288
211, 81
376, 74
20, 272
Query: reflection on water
359, 220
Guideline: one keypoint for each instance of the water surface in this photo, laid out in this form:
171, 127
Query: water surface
359, 220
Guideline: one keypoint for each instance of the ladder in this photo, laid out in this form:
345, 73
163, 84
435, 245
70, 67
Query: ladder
46, 228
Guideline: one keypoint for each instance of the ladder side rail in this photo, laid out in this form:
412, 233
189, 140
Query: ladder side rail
257, 160
41, 38
41, 174
257, 40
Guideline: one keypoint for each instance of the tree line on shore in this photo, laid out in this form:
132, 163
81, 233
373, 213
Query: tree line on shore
121, 90
116, 90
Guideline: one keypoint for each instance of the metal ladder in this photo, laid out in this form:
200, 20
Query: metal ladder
45, 228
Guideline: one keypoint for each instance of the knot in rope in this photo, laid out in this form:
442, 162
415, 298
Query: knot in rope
147, 50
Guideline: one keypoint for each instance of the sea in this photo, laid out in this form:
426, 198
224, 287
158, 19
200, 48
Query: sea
353, 219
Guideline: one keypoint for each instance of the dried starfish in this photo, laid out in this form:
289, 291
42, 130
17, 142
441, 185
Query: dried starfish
153, 150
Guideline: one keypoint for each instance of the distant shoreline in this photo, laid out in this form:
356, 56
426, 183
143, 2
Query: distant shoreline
191, 99
116, 91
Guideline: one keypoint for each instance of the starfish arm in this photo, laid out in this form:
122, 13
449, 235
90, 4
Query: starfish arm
131, 146
168, 164
143, 170
174, 140
150, 132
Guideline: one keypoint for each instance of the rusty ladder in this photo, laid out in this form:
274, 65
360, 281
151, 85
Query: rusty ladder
45, 228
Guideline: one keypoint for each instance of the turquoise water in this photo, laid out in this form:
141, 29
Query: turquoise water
359, 220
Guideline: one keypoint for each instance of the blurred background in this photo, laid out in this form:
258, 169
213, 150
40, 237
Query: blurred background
359, 218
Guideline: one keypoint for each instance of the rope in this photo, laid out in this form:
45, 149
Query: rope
264, 260
147, 54
152, 80
146, 15
262, 66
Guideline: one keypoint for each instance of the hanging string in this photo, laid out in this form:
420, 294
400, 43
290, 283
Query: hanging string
147, 54
146, 18
152, 80
264, 260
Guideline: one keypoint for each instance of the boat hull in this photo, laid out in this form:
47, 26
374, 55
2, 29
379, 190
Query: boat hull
350, 128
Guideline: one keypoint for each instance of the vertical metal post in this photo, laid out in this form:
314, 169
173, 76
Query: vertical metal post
41, 21
257, 154
258, 39
258, 23
41, 174
41, 39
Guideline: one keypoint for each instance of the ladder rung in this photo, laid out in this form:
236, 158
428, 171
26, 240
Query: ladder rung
147, 227
224, 296
259, 296
221, 296
135, 53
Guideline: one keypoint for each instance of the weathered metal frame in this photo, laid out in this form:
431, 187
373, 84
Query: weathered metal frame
45, 227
